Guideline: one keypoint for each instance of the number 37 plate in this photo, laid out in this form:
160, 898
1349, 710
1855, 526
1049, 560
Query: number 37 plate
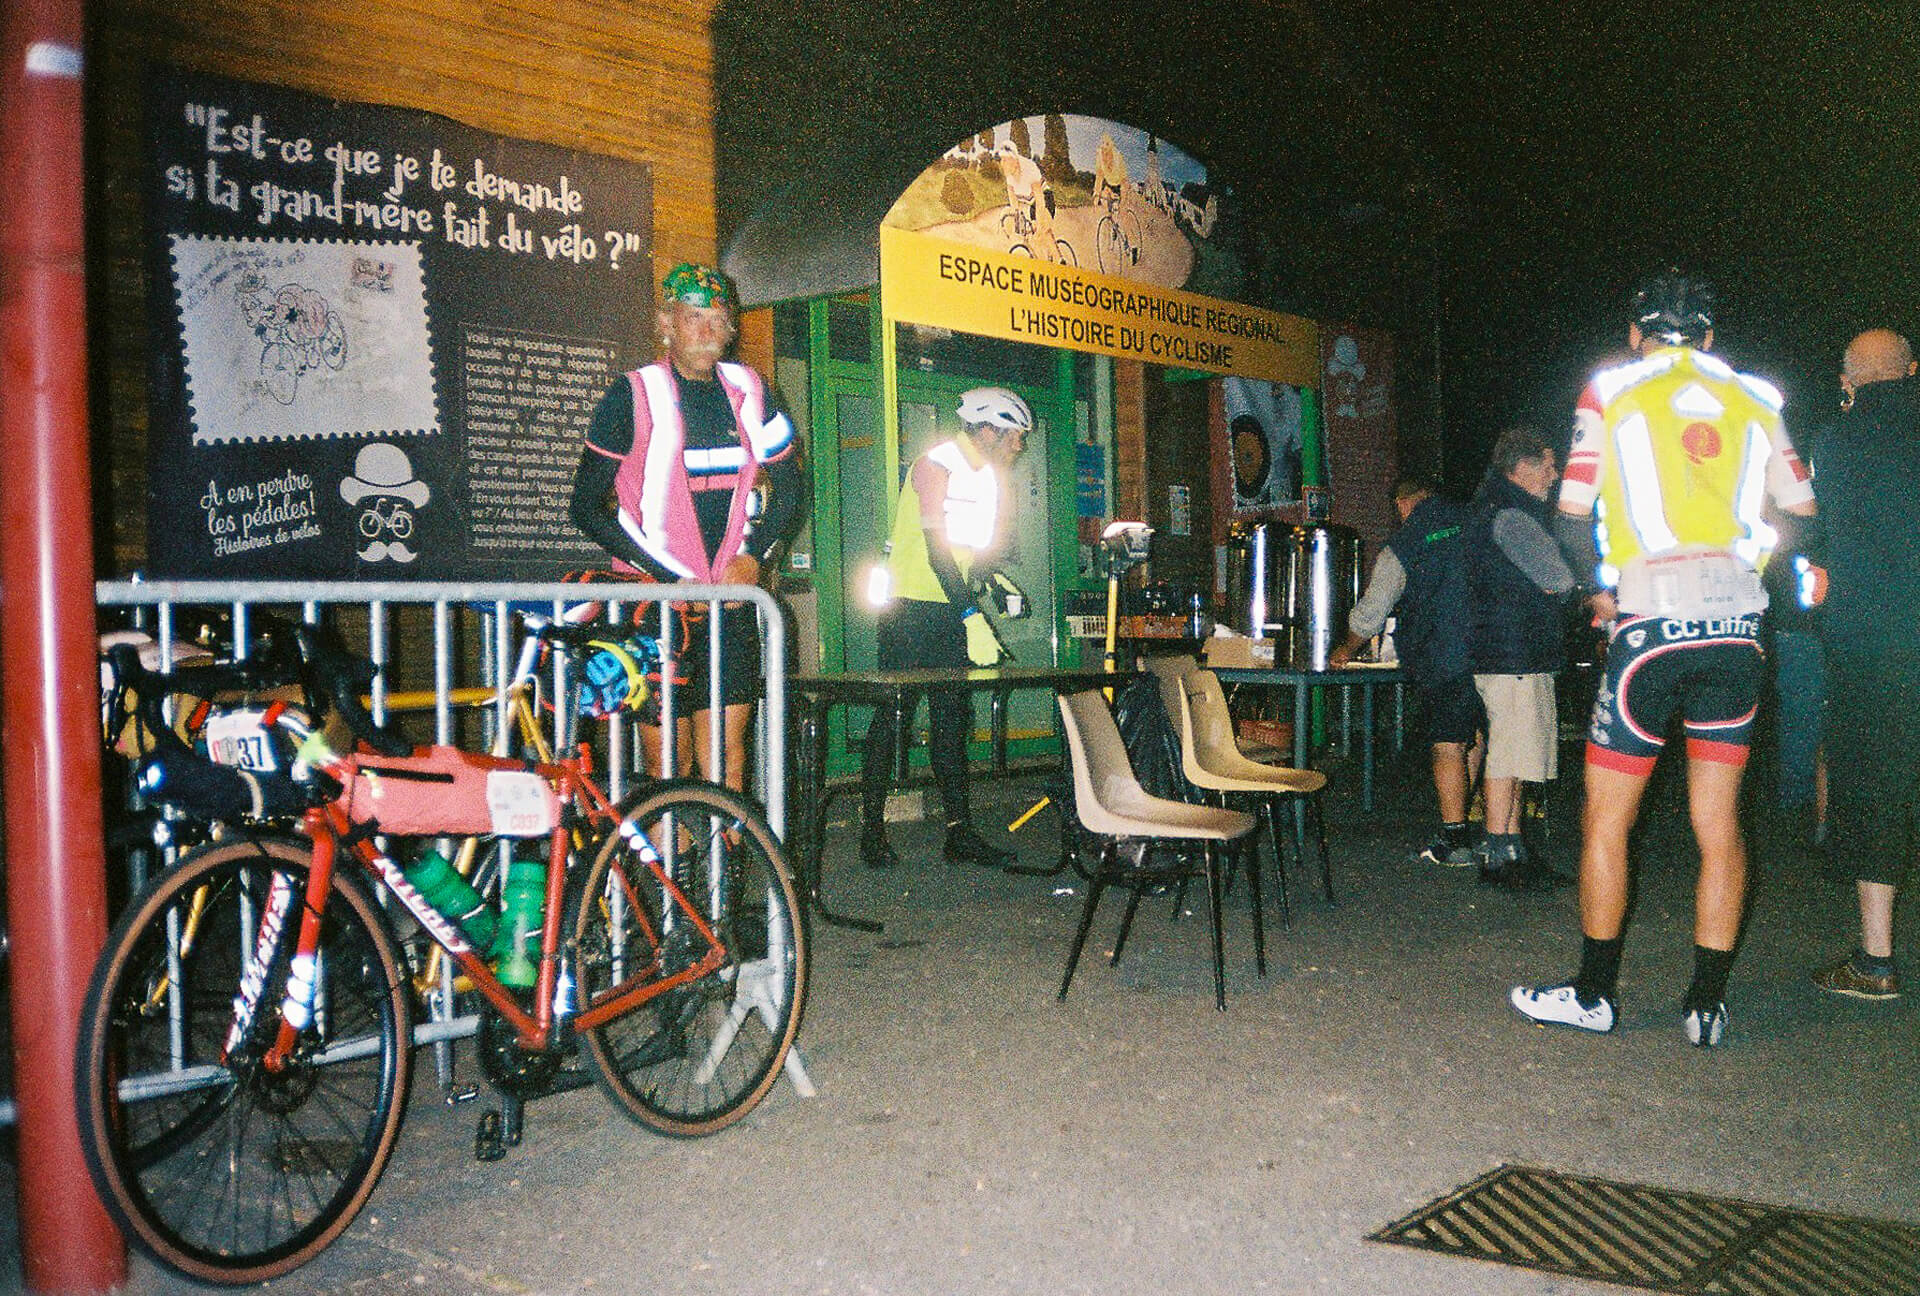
238, 738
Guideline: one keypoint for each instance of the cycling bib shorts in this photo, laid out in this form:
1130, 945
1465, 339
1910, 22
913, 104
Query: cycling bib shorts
1709, 670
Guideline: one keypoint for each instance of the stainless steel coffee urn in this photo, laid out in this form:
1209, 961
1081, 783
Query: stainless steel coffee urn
1323, 584
1294, 584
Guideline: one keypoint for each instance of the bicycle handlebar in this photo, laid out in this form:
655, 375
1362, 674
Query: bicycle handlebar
308, 656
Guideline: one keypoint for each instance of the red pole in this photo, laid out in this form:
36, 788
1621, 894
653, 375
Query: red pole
56, 865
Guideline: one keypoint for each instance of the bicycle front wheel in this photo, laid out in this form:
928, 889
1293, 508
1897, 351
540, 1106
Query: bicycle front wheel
694, 1058
224, 1170
1107, 248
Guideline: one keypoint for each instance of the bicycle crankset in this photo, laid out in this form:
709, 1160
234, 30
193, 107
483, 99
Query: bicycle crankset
513, 1070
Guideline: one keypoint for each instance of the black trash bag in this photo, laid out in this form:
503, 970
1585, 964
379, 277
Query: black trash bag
1153, 743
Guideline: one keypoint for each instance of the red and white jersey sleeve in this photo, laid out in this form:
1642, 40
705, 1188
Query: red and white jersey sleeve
1580, 485
1789, 481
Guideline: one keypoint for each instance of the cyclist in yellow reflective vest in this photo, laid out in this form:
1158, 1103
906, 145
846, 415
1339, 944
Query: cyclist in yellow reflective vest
945, 534
1677, 454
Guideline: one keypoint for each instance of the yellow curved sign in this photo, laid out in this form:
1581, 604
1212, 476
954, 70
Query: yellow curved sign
939, 282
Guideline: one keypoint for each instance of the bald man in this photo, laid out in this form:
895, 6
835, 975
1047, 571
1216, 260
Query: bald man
1872, 631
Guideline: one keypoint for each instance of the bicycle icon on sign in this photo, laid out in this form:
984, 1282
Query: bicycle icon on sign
384, 515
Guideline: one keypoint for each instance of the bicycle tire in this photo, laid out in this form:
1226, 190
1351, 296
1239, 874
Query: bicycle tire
696, 1058
1020, 249
224, 1172
1067, 255
1107, 246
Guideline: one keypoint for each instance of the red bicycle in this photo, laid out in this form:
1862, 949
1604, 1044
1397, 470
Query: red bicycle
246, 1048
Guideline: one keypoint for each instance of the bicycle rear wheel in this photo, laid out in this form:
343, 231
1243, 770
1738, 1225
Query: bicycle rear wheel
697, 1057
225, 1171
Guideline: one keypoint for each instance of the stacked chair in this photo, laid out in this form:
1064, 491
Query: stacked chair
1212, 760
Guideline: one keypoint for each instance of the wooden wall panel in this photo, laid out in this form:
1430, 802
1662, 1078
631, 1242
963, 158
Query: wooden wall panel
628, 81
1129, 441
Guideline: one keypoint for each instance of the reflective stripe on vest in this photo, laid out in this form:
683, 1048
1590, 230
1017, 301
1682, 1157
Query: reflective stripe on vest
973, 497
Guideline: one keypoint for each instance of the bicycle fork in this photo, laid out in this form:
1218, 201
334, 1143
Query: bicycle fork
297, 1005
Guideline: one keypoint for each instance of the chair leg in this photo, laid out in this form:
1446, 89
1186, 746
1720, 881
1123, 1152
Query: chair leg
1279, 859
1126, 922
1094, 888
1300, 810
1229, 802
1326, 860
1219, 941
1251, 845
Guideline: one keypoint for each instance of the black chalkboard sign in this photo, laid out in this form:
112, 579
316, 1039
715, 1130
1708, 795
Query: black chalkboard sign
377, 336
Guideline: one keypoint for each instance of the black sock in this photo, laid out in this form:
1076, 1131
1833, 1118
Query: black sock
1599, 969
1458, 836
1869, 965
1710, 968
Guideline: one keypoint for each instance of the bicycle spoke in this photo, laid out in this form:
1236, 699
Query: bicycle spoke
230, 1171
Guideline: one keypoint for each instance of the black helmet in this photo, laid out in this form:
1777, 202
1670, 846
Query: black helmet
1674, 308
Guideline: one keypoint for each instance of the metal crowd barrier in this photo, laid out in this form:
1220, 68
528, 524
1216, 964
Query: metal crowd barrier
158, 608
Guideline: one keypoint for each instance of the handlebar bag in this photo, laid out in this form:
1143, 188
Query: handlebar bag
443, 791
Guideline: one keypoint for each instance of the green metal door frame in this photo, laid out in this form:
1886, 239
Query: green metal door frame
828, 380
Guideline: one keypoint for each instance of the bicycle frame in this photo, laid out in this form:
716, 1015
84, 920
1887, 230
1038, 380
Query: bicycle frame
329, 830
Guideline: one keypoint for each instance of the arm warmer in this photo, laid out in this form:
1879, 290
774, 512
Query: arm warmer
947, 571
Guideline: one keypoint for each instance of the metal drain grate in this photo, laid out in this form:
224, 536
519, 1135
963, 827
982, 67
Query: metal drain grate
1661, 1240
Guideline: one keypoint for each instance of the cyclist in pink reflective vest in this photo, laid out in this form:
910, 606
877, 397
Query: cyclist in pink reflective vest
689, 474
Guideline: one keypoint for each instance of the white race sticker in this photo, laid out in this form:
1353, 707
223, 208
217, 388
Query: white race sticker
238, 738
519, 803
1693, 584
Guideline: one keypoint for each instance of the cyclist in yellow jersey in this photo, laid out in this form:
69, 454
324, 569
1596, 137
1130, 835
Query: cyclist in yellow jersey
1674, 457
946, 534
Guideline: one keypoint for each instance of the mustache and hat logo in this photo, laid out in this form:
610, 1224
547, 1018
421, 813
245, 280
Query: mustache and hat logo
382, 483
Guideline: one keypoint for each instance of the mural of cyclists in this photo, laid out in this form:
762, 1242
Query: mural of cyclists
1077, 191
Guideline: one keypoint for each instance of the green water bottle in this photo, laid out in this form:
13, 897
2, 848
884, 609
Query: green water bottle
453, 896
516, 942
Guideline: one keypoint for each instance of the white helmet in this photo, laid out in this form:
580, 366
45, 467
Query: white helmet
995, 405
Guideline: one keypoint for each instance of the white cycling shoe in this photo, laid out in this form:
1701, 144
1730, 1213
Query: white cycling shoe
1558, 1005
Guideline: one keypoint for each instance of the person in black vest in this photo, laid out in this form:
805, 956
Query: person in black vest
1420, 578
1519, 589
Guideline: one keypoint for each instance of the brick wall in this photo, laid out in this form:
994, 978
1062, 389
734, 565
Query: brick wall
629, 81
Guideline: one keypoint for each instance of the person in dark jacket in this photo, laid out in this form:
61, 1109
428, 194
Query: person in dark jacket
1420, 579
1798, 665
1872, 630
1519, 587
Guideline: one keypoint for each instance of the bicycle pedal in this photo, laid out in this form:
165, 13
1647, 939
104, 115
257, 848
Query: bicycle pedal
488, 1145
460, 1095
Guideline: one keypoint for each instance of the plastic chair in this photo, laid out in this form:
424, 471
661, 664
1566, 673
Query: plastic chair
1112, 805
1211, 759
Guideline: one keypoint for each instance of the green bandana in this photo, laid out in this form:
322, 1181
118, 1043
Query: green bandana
696, 285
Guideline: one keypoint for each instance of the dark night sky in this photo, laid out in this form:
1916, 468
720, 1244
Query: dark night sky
1549, 154
1774, 149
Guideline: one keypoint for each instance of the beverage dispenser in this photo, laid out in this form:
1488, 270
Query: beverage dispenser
1321, 583
1294, 584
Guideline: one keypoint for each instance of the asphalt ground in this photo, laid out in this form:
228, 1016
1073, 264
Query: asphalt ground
974, 1135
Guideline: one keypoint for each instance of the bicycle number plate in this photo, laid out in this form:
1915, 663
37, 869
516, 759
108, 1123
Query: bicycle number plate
238, 738
520, 804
